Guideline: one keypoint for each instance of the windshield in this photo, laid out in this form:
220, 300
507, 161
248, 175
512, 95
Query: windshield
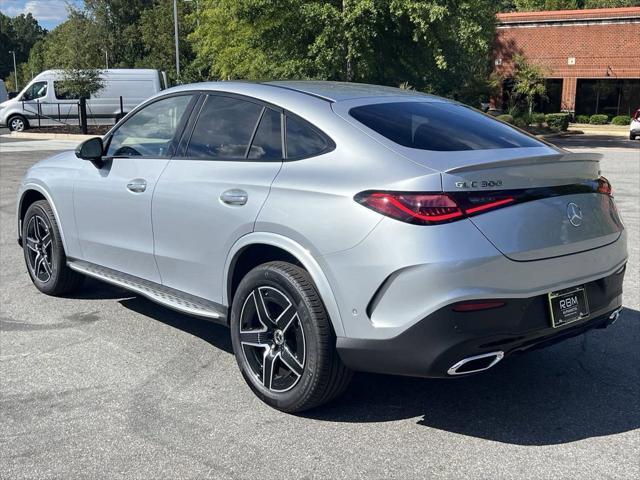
440, 126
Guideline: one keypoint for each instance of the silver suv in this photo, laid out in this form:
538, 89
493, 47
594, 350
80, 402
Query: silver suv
335, 228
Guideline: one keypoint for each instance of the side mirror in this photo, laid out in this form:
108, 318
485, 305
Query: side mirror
92, 150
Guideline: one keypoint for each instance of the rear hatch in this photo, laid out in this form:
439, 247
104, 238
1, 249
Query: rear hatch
546, 202
556, 210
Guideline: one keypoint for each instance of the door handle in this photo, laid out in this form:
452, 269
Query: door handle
137, 185
235, 196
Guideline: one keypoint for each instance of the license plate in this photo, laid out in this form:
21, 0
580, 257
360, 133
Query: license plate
568, 306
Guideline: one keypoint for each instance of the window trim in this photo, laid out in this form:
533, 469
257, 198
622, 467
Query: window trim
176, 136
284, 113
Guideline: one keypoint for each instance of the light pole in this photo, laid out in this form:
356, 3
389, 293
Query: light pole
15, 70
175, 31
106, 58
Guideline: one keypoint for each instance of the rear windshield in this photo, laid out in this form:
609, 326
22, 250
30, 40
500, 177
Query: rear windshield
439, 126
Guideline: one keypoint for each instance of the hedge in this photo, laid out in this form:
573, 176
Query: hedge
557, 121
598, 119
537, 118
621, 120
582, 118
505, 118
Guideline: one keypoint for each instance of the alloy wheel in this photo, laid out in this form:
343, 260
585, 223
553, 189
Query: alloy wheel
272, 338
39, 247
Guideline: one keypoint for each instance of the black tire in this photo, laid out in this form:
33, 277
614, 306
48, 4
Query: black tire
632, 136
44, 253
17, 123
306, 335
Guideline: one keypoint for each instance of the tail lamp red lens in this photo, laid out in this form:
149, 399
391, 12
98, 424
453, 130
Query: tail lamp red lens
427, 208
605, 187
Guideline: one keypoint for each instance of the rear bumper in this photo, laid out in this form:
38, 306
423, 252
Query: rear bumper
436, 343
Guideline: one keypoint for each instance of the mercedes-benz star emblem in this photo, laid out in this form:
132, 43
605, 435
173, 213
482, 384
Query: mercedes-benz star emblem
574, 214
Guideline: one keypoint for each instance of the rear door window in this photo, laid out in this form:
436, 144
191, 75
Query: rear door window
224, 128
267, 142
440, 126
302, 139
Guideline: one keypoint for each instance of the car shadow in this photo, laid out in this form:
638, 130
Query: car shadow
584, 387
216, 335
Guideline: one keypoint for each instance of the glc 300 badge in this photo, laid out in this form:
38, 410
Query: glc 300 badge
480, 184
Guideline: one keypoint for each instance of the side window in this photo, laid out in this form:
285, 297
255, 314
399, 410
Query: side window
267, 143
60, 92
302, 139
150, 131
224, 128
37, 90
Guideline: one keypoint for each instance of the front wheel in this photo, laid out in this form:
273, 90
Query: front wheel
283, 341
44, 253
17, 123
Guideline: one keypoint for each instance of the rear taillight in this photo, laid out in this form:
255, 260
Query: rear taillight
477, 305
605, 187
429, 208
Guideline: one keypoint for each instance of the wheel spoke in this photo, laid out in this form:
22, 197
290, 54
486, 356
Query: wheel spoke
291, 362
268, 367
261, 309
31, 244
286, 318
255, 338
46, 240
47, 267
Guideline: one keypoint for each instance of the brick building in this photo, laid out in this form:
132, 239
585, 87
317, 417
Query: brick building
591, 58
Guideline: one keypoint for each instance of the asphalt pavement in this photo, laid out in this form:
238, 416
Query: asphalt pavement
106, 384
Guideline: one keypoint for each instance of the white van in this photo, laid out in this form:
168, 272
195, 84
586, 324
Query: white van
3, 91
43, 103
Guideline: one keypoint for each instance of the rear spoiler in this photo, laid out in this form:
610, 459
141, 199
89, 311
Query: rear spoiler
533, 160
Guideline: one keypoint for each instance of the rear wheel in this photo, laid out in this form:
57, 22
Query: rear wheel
17, 123
44, 252
283, 341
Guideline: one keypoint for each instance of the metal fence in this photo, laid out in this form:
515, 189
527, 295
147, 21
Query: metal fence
64, 113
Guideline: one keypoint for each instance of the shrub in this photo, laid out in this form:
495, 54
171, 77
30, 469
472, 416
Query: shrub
582, 118
522, 121
505, 118
557, 121
621, 120
537, 118
598, 119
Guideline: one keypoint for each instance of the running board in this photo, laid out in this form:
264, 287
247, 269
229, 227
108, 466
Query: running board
166, 296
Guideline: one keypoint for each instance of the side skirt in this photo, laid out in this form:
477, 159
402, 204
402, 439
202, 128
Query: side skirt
166, 296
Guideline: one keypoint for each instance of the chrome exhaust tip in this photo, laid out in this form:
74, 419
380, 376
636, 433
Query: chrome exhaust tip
614, 315
477, 363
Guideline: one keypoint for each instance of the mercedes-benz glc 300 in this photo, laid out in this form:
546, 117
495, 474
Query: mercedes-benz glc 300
334, 228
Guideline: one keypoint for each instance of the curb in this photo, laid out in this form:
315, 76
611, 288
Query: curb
51, 136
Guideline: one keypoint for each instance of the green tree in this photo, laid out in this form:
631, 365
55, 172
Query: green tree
116, 24
440, 45
528, 81
611, 3
27, 32
7, 42
537, 5
156, 31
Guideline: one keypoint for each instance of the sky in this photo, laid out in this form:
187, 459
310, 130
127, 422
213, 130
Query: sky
49, 13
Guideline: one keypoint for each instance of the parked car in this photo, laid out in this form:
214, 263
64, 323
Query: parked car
634, 127
3, 92
44, 102
334, 227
